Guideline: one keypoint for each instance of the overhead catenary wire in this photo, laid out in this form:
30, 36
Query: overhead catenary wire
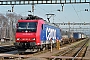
76, 13
81, 14
51, 12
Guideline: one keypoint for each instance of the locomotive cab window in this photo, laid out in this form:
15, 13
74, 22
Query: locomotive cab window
27, 26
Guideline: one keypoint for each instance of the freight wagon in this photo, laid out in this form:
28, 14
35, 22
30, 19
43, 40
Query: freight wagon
78, 35
66, 37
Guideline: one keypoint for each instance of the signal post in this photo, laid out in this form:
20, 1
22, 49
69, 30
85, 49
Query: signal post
51, 44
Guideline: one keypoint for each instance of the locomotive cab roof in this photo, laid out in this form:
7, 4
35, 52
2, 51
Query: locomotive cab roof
32, 17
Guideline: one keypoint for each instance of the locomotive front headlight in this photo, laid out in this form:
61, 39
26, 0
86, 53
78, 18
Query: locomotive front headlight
18, 38
33, 38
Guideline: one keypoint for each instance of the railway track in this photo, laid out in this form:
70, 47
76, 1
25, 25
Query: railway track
66, 54
4, 49
14, 55
75, 52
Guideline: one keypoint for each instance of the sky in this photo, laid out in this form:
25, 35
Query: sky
71, 12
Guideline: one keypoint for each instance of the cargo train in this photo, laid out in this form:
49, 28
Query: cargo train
35, 33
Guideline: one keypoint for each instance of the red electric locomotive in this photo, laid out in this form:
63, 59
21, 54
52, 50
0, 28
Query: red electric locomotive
35, 33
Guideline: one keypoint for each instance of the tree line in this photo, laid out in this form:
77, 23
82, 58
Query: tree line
8, 25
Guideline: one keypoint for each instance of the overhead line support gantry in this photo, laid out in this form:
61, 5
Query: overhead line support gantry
27, 2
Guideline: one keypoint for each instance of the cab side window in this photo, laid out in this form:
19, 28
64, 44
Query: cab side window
42, 26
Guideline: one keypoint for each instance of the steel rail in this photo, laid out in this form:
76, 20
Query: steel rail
77, 53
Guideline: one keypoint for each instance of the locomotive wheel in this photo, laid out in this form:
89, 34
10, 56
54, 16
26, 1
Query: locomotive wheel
42, 49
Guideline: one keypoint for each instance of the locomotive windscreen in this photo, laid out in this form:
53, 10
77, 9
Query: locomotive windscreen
27, 27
